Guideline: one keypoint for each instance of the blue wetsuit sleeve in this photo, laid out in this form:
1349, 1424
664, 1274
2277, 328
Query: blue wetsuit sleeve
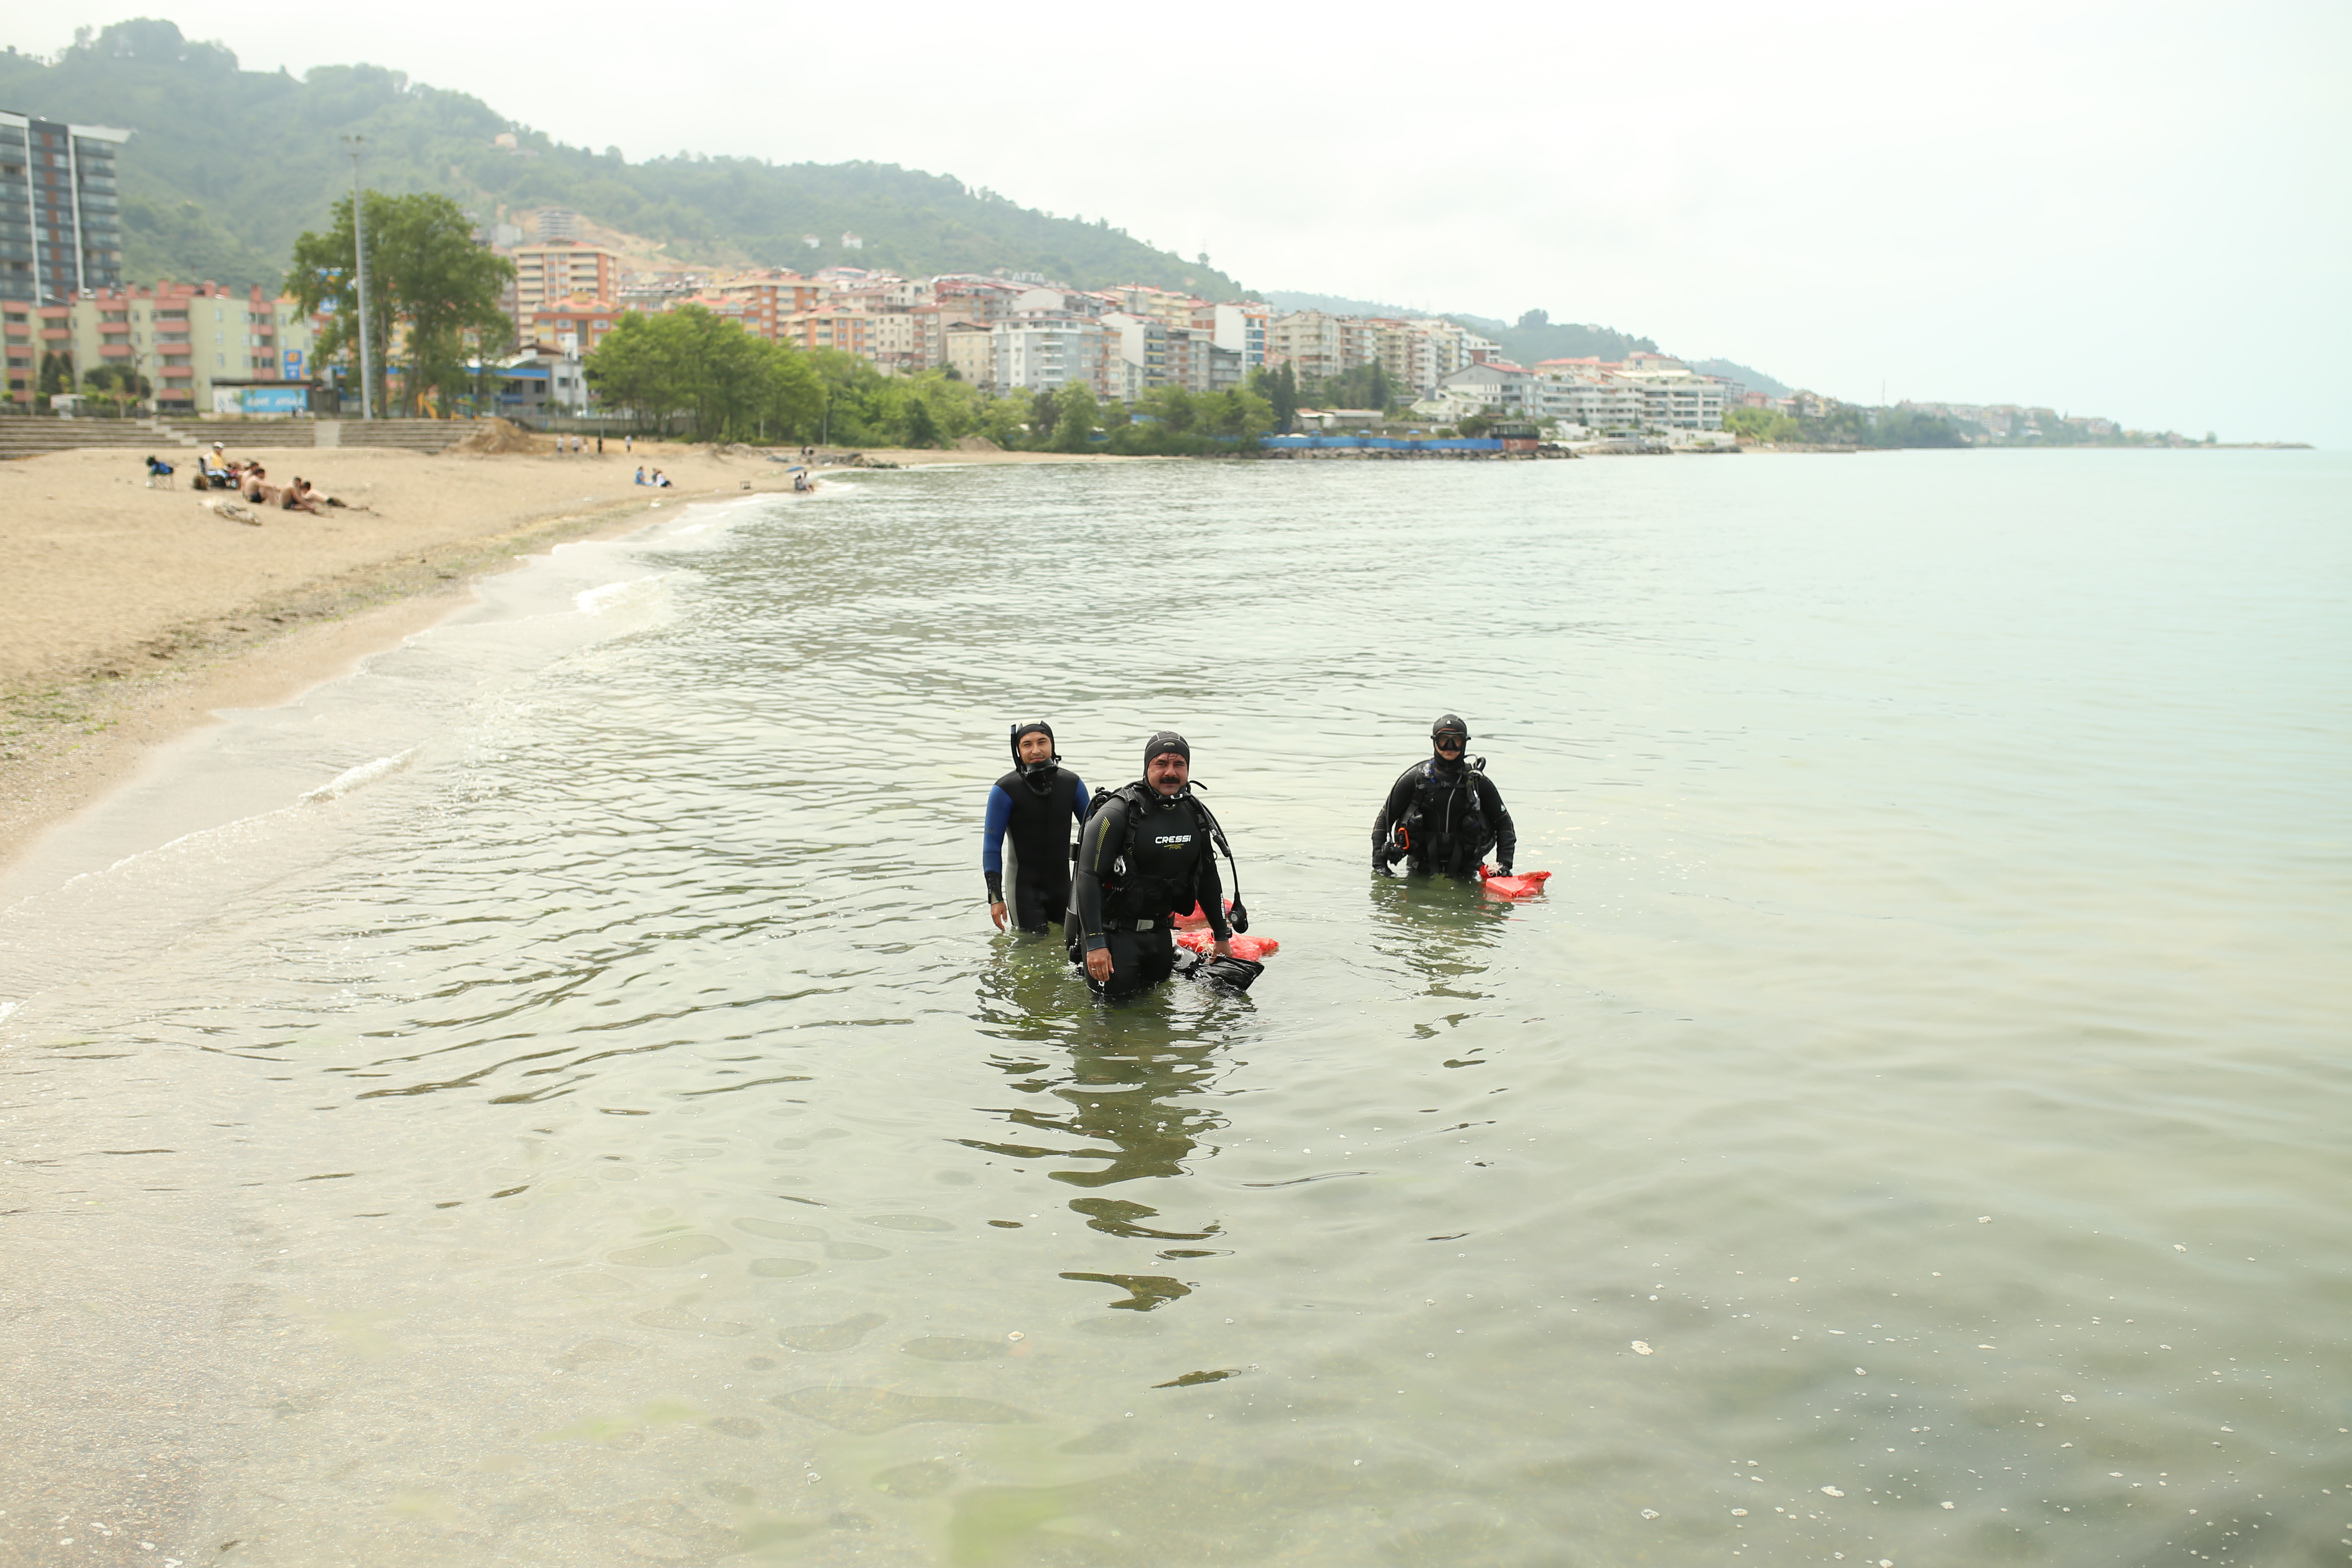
992, 841
1079, 803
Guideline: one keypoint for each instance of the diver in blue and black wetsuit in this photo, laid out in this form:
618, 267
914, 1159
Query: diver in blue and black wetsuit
1024, 844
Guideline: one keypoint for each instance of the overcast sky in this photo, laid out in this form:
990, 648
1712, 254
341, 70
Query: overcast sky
2137, 210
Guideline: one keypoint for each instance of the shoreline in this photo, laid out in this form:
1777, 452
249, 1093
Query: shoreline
130, 617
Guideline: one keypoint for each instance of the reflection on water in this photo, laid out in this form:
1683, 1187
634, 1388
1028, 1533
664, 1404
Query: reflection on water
1908, 1127
1438, 929
1114, 1094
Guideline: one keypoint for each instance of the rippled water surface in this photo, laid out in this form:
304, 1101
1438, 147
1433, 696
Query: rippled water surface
556, 1097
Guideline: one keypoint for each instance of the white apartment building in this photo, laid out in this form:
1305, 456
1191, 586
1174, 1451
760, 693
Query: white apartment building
1588, 392
1239, 328
1497, 387
1045, 353
1139, 349
1674, 396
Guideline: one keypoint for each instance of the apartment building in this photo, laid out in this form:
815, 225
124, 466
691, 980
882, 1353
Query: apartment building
896, 341
1407, 356
1045, 353
764, 297
1581, 392
184, 339
562, 270
1139, 349
979, 299
573, 326
1674, 396
60, 211
1315, 344
968, 349
1495, 385
828, 327
1238, 327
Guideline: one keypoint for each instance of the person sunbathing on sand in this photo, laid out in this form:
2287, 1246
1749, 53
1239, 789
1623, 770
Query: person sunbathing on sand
313, 499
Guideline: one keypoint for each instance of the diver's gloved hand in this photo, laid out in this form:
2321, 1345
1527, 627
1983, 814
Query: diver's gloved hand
1380, 863
1502, 867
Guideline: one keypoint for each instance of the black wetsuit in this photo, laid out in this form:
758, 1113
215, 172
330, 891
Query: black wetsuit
1454, 814
1030, 813
1141, 859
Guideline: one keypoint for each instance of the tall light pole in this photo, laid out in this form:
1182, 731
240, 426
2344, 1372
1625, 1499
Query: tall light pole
358, 247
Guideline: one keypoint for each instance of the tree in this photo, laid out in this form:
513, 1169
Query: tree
922, 430
1279, 389
691, 365
426, 274
57, 374
118, 384
1762, 424
1075, 432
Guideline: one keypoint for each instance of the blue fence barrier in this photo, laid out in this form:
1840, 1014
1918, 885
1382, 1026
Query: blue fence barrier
1379, 444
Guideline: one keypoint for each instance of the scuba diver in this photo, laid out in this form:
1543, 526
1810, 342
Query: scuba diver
1148, 851
1445, 813
1031, 808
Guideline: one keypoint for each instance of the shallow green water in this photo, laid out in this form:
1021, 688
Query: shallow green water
609, 1130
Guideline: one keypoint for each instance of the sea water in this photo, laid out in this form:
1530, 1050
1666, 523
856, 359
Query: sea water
556, 1097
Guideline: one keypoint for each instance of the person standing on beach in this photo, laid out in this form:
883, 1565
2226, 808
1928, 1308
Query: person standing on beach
1146, 854
1443, 815
1024, 834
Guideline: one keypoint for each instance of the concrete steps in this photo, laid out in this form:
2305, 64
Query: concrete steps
407, 435
29, 435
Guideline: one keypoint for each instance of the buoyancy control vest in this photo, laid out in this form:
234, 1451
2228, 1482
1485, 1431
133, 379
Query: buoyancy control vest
1448, 820
1158, 862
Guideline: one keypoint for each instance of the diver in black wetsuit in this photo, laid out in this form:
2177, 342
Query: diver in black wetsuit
1146, 854
1031, 809
1445, 813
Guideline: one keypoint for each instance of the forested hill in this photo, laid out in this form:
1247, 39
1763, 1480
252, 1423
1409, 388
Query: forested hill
227, 166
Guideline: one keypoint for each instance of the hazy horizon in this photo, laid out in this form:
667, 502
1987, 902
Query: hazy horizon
2015, 206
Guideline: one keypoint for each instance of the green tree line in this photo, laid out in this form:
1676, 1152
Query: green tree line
693, 373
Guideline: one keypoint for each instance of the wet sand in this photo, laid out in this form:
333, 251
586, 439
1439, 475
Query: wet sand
130, 614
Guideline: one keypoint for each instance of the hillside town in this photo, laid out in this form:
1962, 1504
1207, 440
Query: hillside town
88, 338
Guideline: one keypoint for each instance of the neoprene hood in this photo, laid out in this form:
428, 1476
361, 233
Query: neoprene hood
1163, 743
1035, 727
1449, 723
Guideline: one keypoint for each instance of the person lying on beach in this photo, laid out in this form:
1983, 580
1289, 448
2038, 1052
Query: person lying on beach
313, 499
158, 469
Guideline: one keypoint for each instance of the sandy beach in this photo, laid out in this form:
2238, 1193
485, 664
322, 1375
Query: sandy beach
129, 615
